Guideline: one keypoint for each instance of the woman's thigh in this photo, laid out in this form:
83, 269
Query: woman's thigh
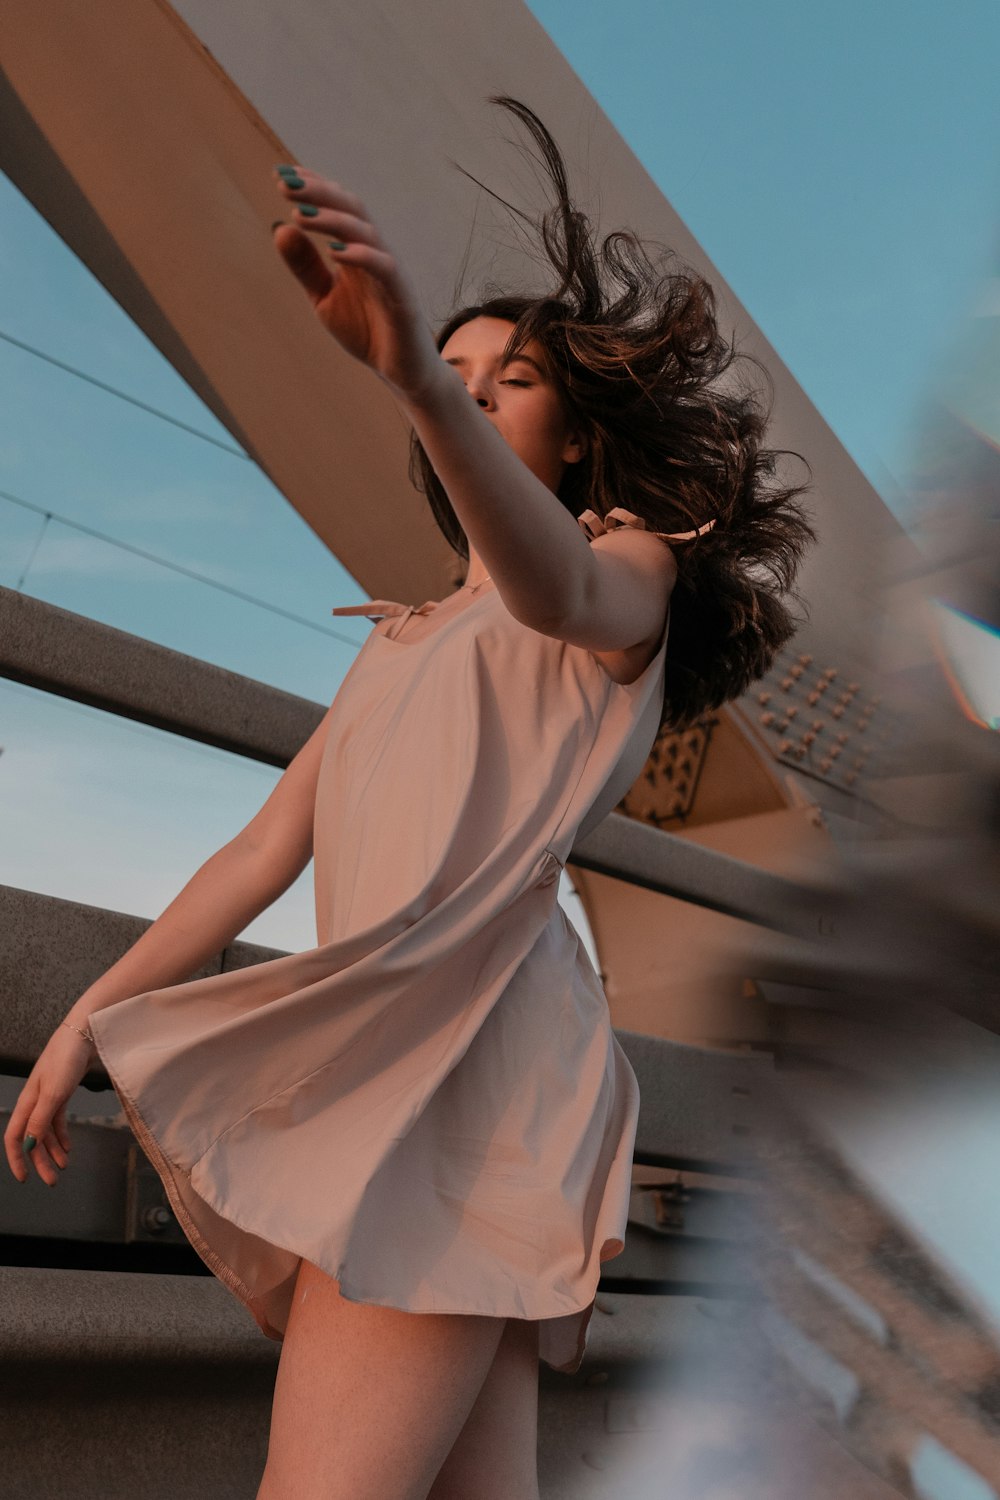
368, 1400
495, 1456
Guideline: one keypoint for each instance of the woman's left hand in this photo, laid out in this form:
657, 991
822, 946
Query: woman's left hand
360, 294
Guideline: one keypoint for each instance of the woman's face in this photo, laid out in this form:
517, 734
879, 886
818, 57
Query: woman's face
521, 399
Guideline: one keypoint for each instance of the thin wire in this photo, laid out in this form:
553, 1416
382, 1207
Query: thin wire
214, 583
38, 542
123, 396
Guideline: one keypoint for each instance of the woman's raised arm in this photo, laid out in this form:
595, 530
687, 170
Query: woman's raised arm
533, 549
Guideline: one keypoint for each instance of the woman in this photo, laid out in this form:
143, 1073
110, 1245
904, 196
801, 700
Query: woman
408, 1150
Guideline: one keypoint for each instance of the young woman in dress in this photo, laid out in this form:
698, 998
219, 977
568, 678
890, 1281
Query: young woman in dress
600, 403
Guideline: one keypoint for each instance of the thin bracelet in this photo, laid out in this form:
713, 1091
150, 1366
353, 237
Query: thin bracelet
85, 1034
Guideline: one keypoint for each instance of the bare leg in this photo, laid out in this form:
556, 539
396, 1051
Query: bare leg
368, 1401
495, 1456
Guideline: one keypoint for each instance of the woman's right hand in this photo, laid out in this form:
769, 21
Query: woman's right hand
359, 293
41, 1106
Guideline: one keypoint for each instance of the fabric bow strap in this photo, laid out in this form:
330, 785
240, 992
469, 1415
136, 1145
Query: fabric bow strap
618, 516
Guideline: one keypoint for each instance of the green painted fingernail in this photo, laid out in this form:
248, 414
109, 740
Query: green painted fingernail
294, 182
286, 169
336, 244
30, 1143
308, 210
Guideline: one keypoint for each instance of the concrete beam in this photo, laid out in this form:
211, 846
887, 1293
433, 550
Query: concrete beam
61, 652
666, 862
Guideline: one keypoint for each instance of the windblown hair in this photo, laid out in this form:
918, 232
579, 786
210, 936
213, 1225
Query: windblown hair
637, 354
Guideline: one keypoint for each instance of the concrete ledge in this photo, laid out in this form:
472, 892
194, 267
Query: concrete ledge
115, 1316
700, 1107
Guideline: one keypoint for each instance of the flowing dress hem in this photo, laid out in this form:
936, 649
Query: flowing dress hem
169, 1171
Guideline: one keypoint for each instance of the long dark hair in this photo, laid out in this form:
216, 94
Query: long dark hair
636, 351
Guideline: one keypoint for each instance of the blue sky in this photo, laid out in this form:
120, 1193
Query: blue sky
839, 164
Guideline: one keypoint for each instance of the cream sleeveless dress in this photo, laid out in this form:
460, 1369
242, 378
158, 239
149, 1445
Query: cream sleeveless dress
430, 1105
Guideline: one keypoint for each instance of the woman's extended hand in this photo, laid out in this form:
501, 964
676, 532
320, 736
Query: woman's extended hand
41, 1106
359, 293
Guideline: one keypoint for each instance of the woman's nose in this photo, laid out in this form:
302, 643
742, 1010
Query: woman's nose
481, 391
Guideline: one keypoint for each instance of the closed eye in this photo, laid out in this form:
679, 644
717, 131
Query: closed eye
516, 382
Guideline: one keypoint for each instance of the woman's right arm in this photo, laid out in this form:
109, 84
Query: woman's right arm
228, 891
233, 886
